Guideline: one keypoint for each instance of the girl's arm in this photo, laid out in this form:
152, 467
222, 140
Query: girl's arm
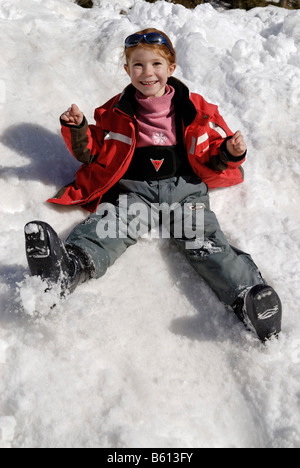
229, 152
83, 141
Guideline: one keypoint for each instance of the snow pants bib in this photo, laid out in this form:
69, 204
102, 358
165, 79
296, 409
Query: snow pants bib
136, 207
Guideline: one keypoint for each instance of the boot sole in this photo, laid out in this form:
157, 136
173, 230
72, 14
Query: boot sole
45, 251
264, 310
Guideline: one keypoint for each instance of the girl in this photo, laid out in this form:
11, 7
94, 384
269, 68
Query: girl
155, 145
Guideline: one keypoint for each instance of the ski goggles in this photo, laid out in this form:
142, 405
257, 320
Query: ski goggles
150, 38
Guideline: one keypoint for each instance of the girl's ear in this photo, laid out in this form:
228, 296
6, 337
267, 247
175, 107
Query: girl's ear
171, 70
126, 68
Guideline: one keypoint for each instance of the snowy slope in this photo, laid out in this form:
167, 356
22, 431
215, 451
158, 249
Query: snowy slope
147, 356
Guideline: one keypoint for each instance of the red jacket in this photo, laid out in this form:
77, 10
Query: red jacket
106, 149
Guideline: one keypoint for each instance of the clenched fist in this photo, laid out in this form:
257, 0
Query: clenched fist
73, 116
236, 145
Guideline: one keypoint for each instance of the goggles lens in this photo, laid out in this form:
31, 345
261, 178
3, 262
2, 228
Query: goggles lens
150, 38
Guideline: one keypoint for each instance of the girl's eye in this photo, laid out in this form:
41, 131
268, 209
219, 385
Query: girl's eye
156, 64
137, 65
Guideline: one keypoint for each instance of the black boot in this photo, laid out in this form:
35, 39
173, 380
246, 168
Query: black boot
260, 308
48, 258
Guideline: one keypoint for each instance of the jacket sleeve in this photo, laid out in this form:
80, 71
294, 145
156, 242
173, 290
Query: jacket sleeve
220, 159
83, 141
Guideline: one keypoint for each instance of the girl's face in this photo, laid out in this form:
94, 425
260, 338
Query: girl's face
149, 71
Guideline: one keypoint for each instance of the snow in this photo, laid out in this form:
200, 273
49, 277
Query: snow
31, 228
147, 356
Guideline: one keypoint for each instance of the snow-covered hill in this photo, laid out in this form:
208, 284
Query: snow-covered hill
147, 356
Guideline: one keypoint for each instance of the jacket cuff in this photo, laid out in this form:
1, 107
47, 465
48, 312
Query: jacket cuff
228, 155
65, 124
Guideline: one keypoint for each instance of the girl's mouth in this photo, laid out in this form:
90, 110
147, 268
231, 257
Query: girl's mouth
148, 83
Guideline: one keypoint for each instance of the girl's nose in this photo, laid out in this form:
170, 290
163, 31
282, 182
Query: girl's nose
148, 70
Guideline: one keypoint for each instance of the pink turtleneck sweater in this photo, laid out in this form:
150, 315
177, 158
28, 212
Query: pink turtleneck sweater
156, 119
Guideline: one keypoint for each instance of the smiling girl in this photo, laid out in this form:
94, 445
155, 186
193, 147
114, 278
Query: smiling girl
155, 144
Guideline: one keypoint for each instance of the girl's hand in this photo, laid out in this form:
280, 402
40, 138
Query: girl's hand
236, 146
73, 116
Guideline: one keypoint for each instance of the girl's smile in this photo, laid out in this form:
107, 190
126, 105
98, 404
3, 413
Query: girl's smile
148, 83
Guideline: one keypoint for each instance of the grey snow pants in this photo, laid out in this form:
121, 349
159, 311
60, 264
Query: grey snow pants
182, 205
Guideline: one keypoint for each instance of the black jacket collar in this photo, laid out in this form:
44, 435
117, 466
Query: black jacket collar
182, 102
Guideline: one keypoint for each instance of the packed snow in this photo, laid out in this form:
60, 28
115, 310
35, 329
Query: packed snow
147, 356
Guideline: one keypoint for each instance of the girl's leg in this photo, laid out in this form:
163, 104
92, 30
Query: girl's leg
231, 273
105, 235
226, 269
